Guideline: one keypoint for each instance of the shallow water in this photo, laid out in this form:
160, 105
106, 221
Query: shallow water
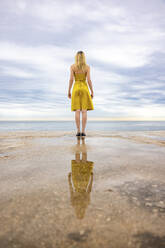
105, 190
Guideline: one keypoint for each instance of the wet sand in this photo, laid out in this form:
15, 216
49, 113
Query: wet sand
107, 190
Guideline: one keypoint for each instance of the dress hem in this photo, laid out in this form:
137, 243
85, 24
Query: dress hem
81, 109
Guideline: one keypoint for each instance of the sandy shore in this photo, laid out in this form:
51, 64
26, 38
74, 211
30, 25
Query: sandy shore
107, 190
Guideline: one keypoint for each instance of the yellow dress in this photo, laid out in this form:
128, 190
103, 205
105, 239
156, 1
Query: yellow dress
81, 173
80, 97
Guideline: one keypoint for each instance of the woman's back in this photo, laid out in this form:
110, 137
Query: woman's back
77, 70
80, 74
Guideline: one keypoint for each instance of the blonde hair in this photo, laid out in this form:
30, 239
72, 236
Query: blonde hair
80, 61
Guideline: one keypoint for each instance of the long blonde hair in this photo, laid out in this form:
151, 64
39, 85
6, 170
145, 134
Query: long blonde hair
80, 61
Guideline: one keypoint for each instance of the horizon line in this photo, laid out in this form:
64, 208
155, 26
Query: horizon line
91, 119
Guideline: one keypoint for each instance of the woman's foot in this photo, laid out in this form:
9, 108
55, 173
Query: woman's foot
83, 134
78, 134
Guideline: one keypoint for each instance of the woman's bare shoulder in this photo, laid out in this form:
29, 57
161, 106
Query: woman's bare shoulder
88, 67
72, 66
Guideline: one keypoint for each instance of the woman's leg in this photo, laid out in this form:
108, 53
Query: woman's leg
77, 119
84, 119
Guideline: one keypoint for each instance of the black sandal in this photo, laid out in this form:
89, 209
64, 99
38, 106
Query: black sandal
83, 134
78, 134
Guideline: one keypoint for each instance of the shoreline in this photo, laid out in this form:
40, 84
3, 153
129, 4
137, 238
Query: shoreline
148, 137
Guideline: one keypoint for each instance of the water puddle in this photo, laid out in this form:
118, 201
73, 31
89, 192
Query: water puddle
68, 192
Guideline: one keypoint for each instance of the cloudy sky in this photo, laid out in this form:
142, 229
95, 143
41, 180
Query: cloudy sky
124, 43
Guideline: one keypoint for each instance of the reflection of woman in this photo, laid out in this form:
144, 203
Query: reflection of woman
81, 175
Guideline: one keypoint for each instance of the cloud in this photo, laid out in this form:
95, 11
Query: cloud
123, 43
16, 72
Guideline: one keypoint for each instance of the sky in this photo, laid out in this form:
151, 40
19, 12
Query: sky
124, 44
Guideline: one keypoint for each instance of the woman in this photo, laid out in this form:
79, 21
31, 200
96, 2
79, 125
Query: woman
81, 100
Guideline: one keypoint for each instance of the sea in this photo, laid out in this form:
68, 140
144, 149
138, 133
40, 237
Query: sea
90, 125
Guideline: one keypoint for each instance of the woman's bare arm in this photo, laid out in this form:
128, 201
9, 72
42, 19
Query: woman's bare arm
71, 79
89, 79
90, 184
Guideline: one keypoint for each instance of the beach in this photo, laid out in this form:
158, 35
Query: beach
107, 190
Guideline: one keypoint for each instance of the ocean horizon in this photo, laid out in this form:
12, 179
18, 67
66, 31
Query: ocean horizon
92, 125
